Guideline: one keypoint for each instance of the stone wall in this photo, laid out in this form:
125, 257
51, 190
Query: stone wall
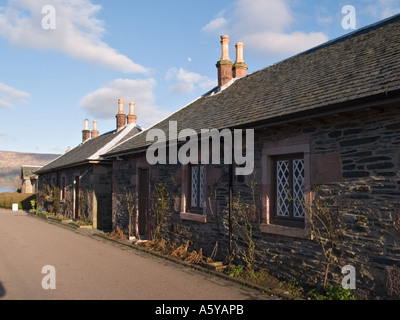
355, 165
94, 191
367, 146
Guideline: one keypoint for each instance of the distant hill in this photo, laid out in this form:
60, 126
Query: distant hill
11, 162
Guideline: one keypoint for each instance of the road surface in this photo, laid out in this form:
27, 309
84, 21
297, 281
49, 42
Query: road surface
86, 268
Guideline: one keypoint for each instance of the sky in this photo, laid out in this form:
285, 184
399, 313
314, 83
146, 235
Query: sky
66, 61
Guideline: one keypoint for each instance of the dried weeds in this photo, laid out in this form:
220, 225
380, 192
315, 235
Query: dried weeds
117, 234
173, 250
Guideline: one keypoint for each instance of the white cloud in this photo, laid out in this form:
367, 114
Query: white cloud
9, 95
78, 32
383, 8
324, 16
217, 25
264, 27
103, 103
324, 20
252, 16
187, 82
279, 43
3, 134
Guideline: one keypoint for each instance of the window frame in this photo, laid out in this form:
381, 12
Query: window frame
200, 205
187, 212
291, 220
272, 150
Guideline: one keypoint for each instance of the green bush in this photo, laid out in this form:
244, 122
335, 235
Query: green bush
332, 293
236, 271
338, 293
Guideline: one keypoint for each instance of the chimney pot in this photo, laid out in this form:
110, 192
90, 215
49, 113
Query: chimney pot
86, 132
239, 52
240, 67
225, 47
131, 108
121, 118
95, 132
132, 118
120, 106
225, 65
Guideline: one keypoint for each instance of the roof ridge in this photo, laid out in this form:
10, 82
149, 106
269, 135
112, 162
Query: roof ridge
111, 144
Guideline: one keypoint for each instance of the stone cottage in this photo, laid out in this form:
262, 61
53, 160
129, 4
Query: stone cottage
326, 126
29, 179
82, 177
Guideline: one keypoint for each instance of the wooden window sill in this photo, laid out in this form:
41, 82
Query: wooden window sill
286, 231
194, 217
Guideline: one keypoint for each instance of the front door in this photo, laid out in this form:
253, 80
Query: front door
143, 219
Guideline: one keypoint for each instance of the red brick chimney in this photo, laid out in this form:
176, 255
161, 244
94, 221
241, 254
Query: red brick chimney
224, 65
86, 132
95, 133
240, 67
121, 117
132, 118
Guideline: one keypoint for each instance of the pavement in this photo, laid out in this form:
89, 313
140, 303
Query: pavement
88, 266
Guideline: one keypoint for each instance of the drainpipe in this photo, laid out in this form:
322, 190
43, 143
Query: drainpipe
230, 206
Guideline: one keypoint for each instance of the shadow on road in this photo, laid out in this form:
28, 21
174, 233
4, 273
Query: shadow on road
2, 291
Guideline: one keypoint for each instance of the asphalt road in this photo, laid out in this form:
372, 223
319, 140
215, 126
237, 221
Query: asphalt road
91, 269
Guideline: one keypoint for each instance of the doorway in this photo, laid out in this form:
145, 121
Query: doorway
143, 219
77, 209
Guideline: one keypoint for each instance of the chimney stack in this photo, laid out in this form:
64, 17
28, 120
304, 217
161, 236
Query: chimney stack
132, 118
86, 132
225, 65
121, 118
95, 132
240, 67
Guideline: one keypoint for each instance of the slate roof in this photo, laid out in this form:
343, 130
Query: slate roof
362, 64
90, 150
28, 172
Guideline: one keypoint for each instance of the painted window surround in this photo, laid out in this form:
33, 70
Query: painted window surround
185, 198
271, 149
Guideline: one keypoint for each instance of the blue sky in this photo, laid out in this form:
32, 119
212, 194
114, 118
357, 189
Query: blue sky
159, 54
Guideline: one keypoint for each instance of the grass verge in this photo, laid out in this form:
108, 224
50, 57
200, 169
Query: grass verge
23, 200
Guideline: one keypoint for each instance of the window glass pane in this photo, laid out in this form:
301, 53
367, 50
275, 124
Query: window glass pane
195, 181
283, 185
201, 191
298, 190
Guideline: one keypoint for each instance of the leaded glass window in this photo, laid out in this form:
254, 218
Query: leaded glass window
289, 188
197, 186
